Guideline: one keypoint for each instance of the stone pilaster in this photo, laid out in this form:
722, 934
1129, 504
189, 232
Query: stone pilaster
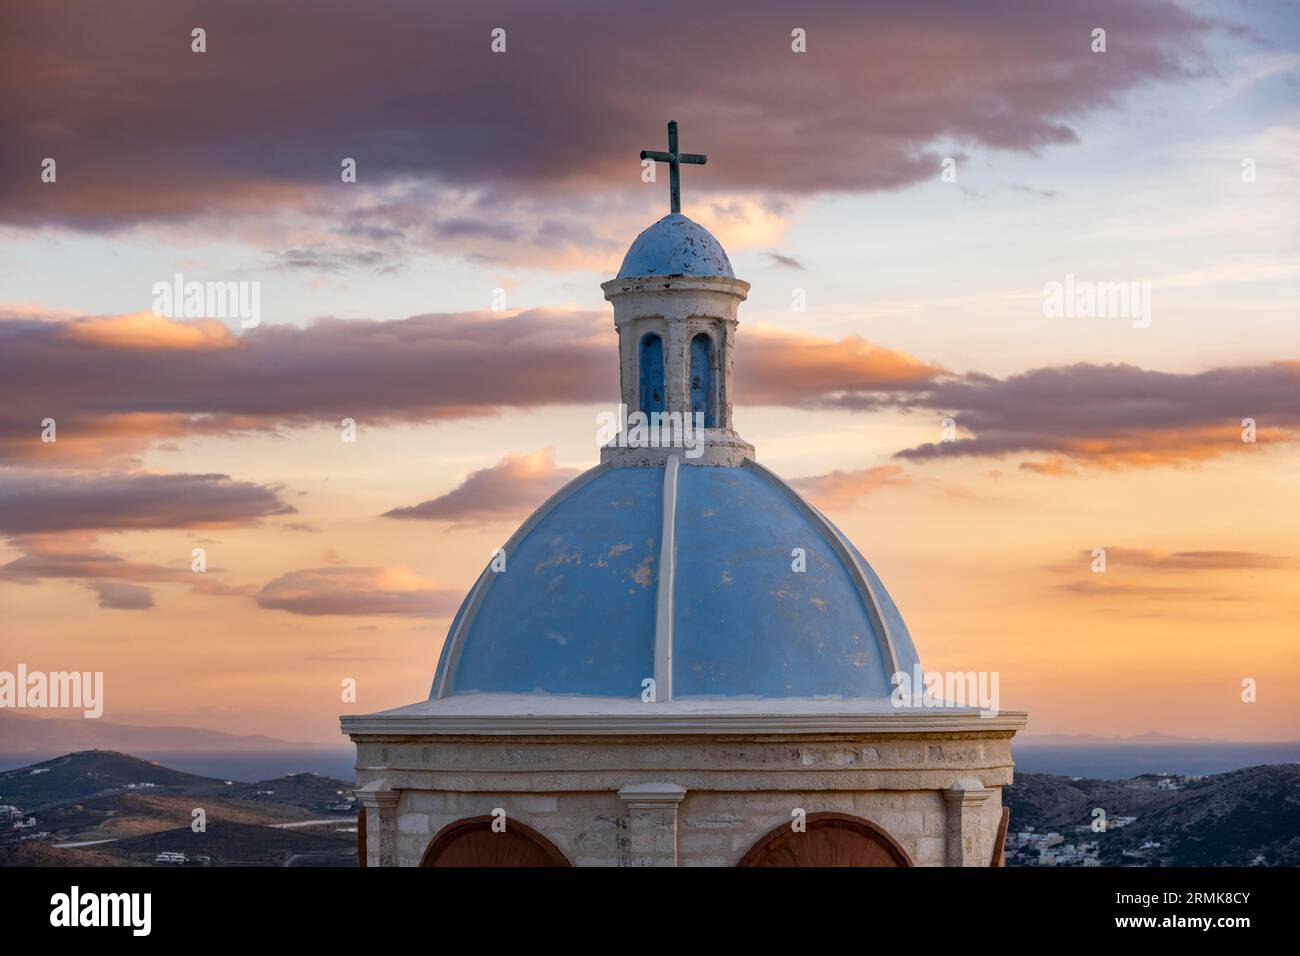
965, 802
628, 373
380, 802
652, 823
676, 361
726, 368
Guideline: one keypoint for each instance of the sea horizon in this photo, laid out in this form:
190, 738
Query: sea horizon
1106, 761
243, 766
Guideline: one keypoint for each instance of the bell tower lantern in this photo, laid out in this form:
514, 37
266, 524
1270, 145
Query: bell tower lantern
675, 302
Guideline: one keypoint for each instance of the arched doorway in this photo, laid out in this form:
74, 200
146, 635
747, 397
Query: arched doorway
652, 374
702, 390
472, 842
831, 839
361, 836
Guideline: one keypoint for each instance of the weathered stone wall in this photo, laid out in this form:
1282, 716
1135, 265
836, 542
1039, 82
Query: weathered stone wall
720, 828
676, 309
938, 795
713, 828
590, 828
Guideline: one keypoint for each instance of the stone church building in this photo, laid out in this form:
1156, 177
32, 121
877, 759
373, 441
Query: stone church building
676, 660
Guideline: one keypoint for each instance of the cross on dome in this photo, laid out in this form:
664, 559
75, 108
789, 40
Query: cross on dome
674, 159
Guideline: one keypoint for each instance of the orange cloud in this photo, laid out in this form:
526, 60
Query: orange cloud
144, 330
391, 590
1154, 447
1122, 558
840, 489
185, 379
1137, 576
1111, 416
81, 440
117, 580
42, 502
194, 378
789, 368
1143, 592
512, 487
53, 518
1051, 466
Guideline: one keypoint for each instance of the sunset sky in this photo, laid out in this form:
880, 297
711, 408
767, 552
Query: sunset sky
519, 171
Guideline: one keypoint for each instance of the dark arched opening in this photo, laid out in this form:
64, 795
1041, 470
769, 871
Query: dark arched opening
652, 374
703, 395
473, 842
361, 836
829, 839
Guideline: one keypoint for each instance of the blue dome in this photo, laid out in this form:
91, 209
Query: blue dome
583, 607
676, 246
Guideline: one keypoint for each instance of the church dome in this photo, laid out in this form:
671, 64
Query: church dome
592, 601
673, 246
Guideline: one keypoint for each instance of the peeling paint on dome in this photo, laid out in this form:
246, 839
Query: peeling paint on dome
550, 592
673, 246
769, 631
744, 624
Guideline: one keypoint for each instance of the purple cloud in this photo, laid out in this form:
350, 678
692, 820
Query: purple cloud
1108, 415
143, 129
122, 596
34, 502
391, 590
512, 487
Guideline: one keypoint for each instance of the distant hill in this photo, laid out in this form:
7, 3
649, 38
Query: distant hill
81, 776
105, 808
91, 773
21, 734
1229, 819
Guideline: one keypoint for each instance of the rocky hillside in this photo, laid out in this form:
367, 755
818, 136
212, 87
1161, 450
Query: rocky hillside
1249, 816
99, 807
86, 774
